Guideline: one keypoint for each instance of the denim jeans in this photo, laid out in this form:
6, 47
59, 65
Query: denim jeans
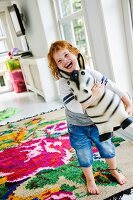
81, 139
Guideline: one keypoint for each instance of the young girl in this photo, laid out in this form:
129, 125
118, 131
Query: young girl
62, 56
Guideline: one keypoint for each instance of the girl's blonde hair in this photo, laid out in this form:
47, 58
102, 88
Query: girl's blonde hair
56, 46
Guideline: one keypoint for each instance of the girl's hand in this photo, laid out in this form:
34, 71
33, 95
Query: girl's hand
128, 104
98, 90
129, 110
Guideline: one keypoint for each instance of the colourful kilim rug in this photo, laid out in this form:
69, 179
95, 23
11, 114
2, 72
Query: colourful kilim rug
38, 163
7, 113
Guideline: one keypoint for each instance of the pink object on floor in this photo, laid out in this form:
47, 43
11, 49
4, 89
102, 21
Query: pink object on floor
17, 81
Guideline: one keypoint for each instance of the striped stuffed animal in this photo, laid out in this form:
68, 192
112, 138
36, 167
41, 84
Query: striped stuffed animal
106, 112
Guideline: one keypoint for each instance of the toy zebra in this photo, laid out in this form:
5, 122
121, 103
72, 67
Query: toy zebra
106, 112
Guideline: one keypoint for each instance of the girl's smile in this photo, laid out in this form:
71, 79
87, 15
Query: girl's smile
65, 60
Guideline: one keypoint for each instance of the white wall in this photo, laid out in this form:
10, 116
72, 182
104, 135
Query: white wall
49, 21
12, 39
97, 37
40, 25
33, 26
41, 30
106, 33
108, 42
113, 18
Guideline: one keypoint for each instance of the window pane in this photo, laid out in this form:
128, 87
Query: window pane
76, 5
79, 32
67, 30
3, 42
2, 82
65, 7
73, 26
74, 31
2, 32
70, 6
3, 46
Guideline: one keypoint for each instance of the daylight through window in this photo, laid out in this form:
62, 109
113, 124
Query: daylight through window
72, 26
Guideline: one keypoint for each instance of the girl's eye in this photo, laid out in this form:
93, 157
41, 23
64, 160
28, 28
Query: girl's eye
59, 61
66, 55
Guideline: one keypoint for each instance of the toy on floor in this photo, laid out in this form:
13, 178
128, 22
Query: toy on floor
106, 112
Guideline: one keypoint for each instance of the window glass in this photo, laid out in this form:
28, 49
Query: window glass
3, 37
2, 32
72, 26
79, 32
3, 46
67, 31
2, 82
70, 6
76, 4
65, 7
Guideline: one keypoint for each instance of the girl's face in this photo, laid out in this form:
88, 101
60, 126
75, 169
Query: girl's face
65, 60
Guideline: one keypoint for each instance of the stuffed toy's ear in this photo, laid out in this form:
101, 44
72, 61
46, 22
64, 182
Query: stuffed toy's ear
63, 74
81, 61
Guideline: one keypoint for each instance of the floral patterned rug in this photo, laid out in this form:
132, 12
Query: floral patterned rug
7, 113
38, 163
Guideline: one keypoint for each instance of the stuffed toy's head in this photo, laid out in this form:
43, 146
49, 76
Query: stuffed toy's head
81, 82
81, 86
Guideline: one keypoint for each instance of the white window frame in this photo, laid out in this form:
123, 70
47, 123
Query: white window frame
128, 23
7, 35
73, 16
100, 38
4, 37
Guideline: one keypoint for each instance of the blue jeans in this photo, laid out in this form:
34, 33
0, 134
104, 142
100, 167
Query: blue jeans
81, 138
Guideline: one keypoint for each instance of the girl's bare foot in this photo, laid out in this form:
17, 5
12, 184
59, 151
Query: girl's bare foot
119, 176
92, 188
